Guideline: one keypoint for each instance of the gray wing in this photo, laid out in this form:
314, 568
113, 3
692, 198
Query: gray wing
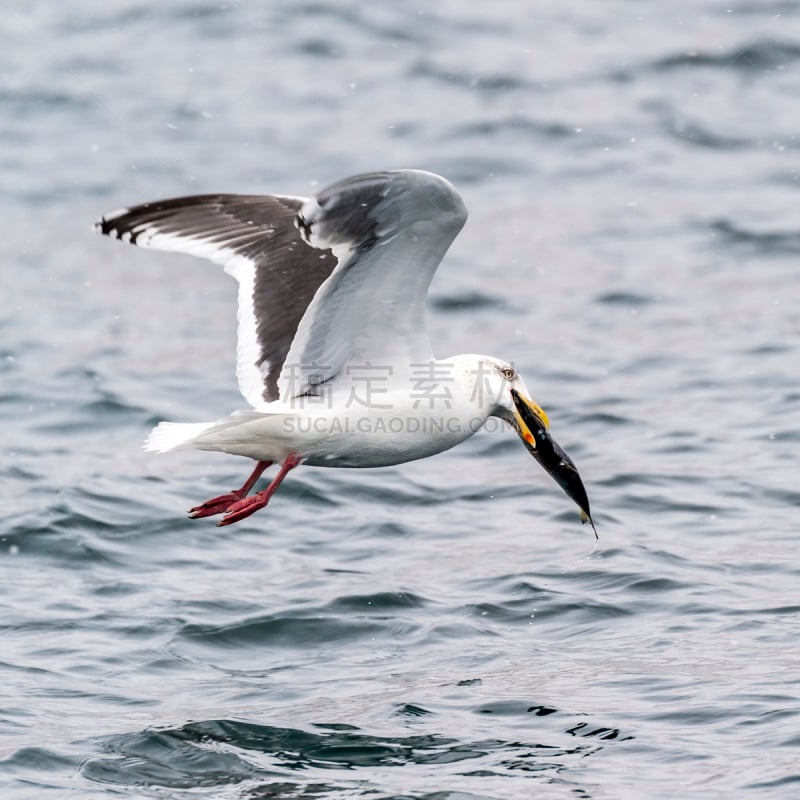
388, 232
256, 239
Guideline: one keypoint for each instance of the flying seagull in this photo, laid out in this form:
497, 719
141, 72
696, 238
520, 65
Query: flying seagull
333, 354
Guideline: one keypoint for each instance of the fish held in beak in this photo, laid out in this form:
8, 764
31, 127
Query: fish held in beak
532, 426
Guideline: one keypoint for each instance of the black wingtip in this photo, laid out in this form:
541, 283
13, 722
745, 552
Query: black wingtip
107, 225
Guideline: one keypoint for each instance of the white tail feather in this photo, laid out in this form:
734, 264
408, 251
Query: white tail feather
168, 436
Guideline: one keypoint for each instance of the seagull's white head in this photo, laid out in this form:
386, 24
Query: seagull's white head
512, 402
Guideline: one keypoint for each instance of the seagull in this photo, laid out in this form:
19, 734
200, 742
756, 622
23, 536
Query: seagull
333, 356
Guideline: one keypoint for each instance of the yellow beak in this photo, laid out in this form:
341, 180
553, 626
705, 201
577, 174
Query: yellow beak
533, 427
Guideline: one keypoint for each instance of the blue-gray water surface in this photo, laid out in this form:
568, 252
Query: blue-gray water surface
438, 630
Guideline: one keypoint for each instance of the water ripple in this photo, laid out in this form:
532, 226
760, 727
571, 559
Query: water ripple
761, 242
228, 752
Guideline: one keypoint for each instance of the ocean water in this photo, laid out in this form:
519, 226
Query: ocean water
440, 630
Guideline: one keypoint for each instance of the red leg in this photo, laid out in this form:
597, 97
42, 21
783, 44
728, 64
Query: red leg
216, 505
249, 505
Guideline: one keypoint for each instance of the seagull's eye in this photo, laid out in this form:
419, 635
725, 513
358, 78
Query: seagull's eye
509, 374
